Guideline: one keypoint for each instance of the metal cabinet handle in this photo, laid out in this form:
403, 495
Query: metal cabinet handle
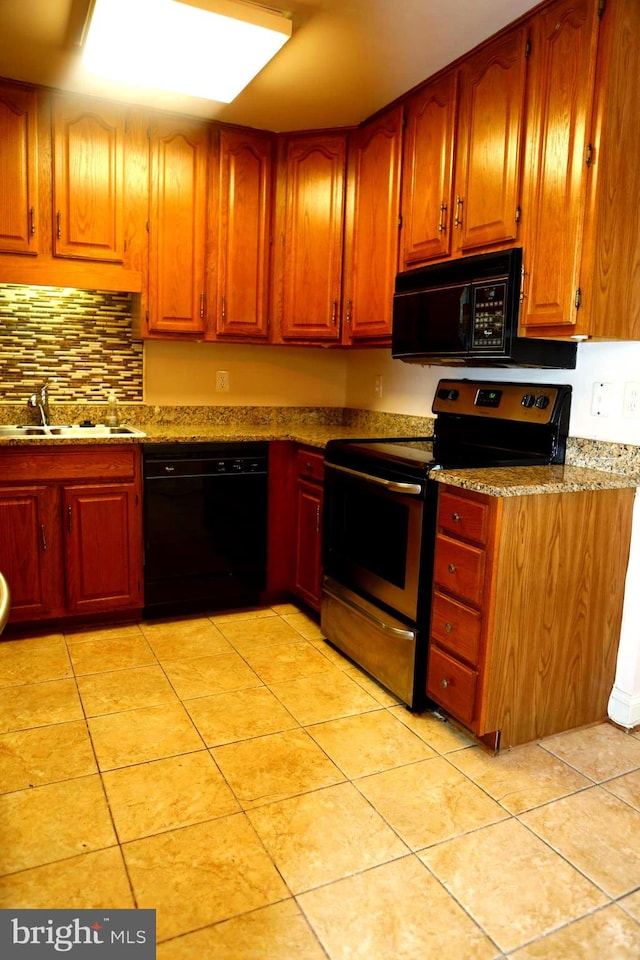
452, 568
202, 305
32, 221
318, 518
224, 308
69, 517
448, 627
334, 312
458, 220
456, 517
43, 536
349, 305
59, 225
445, 683
442, 226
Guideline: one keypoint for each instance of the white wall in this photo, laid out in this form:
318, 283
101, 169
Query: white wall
185, 374
409, 388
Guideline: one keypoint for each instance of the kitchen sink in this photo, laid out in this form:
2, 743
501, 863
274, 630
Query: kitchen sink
62, 432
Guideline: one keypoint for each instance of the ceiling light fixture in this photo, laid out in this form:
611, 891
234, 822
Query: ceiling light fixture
203, 48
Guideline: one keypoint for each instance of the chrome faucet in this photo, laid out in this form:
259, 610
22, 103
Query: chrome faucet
40, 401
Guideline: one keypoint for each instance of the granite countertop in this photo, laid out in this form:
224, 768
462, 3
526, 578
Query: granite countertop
526, 481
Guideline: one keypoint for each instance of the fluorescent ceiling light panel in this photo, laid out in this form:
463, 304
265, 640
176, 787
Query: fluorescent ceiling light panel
210, 49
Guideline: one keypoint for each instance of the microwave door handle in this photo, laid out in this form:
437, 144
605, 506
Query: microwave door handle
393, 486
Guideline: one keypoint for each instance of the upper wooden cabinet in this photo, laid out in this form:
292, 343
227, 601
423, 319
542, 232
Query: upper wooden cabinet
19, 226
372, 228
88, 179
244, 234
488, 144
610, 276
308, 256
475, 114
177, 226
562, 70
427, 181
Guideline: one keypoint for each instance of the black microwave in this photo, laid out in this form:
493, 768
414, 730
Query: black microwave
465, 311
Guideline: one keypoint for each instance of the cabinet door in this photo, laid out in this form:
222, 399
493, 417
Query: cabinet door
88, 179
30, 551
371, 230
312, 237
427, 179
177, 225
308, 567
489, 132
246, 160
561, 83
18, 171
102, 537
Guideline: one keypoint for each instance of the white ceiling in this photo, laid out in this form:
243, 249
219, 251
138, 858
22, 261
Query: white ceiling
345, 60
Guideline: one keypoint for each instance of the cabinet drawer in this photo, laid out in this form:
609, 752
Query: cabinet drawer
310, 465
452, 685
456, 627
459, 569
462, 517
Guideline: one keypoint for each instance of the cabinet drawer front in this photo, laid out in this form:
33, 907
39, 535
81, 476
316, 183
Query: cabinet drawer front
459, 569
101, 462
310, 465
452, 685
455, 627
464, 518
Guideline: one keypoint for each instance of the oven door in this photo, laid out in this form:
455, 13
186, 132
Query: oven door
373, 534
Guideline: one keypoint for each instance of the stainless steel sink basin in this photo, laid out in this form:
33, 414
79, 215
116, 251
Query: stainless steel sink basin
60, 432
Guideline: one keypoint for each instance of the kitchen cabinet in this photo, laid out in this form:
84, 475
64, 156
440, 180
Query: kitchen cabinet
527, 606
309, 237
372, 228
179, 153
560, 93
475, 114
581, 243
244, 234
88, 179
71, 531
427, 180
308, 533
19, 221
488, 144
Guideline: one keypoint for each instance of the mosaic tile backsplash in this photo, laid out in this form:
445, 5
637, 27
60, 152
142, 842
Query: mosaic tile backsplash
81, 340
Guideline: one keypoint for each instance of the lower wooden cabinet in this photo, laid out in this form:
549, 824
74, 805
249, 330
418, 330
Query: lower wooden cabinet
71, 530
307, 579
527, 607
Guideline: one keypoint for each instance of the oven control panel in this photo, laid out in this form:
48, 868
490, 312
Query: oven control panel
524, 402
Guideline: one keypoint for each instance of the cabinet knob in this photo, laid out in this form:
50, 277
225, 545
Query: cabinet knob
456, 517
448, 627
452, 568
445, 683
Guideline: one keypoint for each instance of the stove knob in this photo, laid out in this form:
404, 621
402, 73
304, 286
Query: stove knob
528, 400
542, 402
453, 394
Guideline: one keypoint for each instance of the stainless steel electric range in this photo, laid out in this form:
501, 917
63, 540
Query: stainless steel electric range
380, 515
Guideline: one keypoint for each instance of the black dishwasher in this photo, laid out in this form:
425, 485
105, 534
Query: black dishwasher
205, 526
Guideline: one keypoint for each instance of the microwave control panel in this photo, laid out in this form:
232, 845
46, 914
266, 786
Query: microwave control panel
488, 316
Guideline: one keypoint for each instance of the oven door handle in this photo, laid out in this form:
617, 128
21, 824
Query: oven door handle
393, 486
380, 624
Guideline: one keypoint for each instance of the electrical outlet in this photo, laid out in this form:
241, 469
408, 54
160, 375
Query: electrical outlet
601, 399
377, 385
631, 402
222, 381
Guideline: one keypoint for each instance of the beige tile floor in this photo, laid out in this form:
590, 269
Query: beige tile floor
271, 802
